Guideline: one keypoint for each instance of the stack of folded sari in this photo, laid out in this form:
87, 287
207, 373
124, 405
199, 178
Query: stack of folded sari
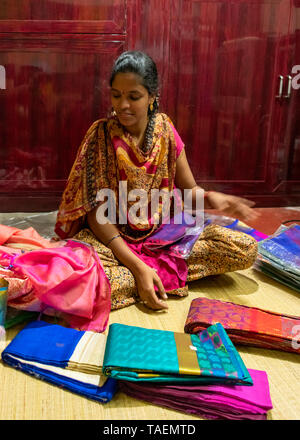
235, 402
87, 363
198, 374
279, 256
65, 357
148, 355
246, 325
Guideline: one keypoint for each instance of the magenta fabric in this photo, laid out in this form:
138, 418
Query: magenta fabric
236, 402
70, 279
172, 270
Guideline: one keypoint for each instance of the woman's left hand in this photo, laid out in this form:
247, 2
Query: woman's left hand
232, 206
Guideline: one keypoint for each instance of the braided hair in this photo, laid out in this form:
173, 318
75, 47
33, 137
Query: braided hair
141, 64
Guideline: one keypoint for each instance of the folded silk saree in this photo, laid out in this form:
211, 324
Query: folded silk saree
150, 355
246, 325
65, 357
75, 359
279, 256
209, 401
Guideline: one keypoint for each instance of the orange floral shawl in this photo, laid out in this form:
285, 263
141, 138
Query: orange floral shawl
108, 155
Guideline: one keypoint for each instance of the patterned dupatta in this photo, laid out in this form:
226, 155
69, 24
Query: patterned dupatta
108, 155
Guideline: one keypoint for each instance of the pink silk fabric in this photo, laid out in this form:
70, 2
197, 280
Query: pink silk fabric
172, 270
72, 280
236, 402
68, 278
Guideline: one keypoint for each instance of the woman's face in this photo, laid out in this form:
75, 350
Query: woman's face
130, 101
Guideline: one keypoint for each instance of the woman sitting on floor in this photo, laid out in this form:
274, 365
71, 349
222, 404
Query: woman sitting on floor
139, 146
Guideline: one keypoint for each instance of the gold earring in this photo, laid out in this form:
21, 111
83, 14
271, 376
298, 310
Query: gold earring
151, 107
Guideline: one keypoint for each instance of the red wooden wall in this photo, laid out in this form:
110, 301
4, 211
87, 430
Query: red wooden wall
219, 63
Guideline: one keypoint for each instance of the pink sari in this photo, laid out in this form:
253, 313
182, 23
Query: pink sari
67, 277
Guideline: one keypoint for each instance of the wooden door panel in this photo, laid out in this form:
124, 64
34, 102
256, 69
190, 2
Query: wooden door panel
293, 120
149, 30
218, 62
97, 16
284, 157
56, 86
222, 101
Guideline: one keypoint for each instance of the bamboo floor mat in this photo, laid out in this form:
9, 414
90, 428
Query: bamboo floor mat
23, 397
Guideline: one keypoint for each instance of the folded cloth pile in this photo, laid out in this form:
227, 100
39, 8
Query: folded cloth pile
76, 359
66, 357
199, 374
279, 256
150, 355
209, 401
245, 325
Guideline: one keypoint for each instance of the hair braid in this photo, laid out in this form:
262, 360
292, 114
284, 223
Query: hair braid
148, 140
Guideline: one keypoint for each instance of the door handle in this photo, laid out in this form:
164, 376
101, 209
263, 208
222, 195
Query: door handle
289, 87
280, 89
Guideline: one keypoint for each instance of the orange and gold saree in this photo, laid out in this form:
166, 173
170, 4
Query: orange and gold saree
108, 156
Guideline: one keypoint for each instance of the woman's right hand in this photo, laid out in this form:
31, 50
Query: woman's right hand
146, 278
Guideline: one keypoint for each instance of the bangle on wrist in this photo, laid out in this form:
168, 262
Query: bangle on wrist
109, 241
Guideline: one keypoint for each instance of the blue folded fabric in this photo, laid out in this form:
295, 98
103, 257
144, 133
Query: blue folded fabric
45, 350
279, 256
283, 249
